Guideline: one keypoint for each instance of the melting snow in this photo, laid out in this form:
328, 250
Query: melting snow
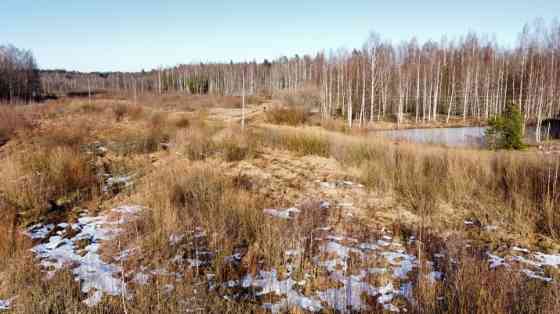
176, 238
495, 260
532, 274
96, 276
435, 276
536, 261
39, 231
548, 260
403, 263
119, 182
269, 283
282, 213
6, 304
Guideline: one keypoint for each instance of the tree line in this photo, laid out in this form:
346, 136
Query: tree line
472, 77
19, 76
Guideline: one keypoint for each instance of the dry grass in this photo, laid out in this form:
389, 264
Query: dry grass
122, 110
472, 286
61, 175
287, 115
11, 120
238, 145
520, 188
193, 189
303, 143
182, 122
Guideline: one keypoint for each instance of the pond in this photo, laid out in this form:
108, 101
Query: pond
453, 137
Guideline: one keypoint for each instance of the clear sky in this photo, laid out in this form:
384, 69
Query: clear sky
130, 35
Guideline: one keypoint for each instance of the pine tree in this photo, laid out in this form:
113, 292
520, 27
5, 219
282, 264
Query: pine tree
506, 131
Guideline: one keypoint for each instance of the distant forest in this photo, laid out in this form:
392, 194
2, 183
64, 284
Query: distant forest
19, 76
470, 77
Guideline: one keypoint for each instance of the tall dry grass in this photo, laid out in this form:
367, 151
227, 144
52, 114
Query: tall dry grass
518, 188
11, 121
287, 115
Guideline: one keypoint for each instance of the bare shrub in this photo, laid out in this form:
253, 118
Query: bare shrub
133, 112
308, 97
236, 147
120, 110
182, 123
196, 144
289, 116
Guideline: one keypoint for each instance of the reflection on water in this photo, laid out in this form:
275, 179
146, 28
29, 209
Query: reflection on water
456, 137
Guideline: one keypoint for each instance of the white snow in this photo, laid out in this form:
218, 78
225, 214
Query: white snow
94, 299
39, 231
532, 274
6, 304
282, 213
403, 263
292, 252
269, 283
535, 261
368, 246
176, 238
122, 181
495, 260
96, 276
141, 278
435, 276
547, 259
519, 249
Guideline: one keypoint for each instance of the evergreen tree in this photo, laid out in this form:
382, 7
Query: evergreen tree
506, 131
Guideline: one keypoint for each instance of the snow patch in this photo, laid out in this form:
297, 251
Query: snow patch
287, 213
97, 277
6, 304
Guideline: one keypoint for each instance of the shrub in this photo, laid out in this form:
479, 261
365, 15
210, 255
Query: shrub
158, 120
183, 122
506, 131
120, 111
238, 147
290, 116
198, 85
234, 150
197, 144
308, 97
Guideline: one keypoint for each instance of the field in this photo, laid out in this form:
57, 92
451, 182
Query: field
166, 204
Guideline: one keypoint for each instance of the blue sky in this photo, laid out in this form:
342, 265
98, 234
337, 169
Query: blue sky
131, 35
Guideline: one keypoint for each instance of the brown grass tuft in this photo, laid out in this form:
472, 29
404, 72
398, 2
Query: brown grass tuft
290, 116
11, 120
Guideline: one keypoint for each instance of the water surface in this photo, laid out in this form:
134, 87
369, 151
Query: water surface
455, 137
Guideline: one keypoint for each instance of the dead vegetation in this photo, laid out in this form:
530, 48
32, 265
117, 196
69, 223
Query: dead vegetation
200, 179
291, 116
520, 188
11, 121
